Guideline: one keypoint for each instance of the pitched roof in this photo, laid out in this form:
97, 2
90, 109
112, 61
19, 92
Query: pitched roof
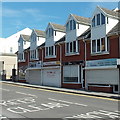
110, 12
80, 19
58, 27
40, 33
26, 37
86, 34
61, 40
42, 45
115, 29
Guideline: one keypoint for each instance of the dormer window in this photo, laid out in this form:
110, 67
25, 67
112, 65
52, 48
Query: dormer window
98, 19
93, 22
49, 32
71, 25
102, 19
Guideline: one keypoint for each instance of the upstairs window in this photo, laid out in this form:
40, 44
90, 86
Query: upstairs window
50, 51
100, 45
21, 56
33, 54
98, 19
72, 47
49, 32
93, 22
71, 25
102, 19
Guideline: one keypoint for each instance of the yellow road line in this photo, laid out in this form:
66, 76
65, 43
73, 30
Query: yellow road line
62, 92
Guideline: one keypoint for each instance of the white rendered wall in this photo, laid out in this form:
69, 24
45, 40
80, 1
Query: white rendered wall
40, 41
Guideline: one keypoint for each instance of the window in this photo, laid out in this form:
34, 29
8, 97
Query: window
78, 26
67, 47
55, 33
72, 47
74, 24
50, 51
70, 24
100, 45
33, 54
98, 19
11, 49
49, 32
24, 42
93, 46
102, 19
107, 20
21, 56
93, 22
46, 51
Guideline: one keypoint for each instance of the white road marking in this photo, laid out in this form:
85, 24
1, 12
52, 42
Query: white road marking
5, 89
26, 94
68, 102
97, 114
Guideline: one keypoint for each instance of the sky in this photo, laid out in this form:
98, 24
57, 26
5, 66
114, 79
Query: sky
36, 15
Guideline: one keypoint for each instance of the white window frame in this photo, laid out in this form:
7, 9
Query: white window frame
77, 48
48, 51
100, 52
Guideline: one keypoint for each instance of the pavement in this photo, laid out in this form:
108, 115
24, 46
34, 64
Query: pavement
81, 91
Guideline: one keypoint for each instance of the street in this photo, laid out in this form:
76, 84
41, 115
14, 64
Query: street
26, 102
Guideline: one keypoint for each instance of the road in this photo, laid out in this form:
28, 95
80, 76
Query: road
26, 102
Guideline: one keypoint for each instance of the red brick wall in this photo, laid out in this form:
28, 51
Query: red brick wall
113, 46
78, 57
71, 85
101, 89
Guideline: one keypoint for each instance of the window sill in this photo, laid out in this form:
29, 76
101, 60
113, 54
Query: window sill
21, 60
34, 59
70, 54
100, 53
71, 82
47, 57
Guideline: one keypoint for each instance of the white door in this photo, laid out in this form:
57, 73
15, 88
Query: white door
52, 77
33, 76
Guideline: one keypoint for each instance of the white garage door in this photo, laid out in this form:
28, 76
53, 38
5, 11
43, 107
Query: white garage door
110, 76
52, 77
33, 76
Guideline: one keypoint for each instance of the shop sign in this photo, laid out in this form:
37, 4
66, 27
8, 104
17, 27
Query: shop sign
104, 62
52, 63
35, 64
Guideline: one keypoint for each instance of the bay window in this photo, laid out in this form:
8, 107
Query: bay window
98, 19
102, 19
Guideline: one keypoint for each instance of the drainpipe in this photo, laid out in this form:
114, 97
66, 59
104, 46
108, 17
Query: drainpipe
42, 68
85, 80
60, 63
119, 65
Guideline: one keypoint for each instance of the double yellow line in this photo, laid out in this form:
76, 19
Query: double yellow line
62, 92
